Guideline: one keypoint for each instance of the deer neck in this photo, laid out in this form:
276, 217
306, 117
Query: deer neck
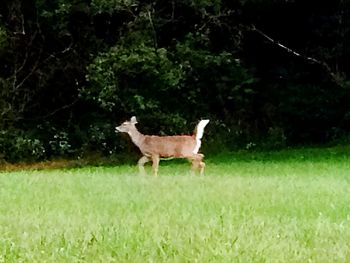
136, 137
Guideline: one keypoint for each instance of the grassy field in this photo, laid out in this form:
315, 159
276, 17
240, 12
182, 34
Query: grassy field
288, 206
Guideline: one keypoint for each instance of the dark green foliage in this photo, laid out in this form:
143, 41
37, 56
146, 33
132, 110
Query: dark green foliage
71, 70
16, 145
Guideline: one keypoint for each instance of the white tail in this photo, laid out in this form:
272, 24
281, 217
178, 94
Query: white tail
155, 147
199, 134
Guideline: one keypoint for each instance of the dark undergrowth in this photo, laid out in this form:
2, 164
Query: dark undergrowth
296, 154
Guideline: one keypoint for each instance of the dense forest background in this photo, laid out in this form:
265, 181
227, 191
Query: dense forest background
267, 73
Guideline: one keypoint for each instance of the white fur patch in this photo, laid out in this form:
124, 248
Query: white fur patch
198, 145
200, 130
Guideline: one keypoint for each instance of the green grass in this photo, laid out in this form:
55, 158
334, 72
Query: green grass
288, 206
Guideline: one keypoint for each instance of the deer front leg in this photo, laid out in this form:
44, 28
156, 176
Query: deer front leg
141, 163
155, 164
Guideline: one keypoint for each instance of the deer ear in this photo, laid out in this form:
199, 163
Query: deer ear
133, 120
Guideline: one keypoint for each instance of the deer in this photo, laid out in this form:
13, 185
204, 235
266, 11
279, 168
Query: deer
154, 148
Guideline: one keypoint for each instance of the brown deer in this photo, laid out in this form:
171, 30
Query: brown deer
155, 147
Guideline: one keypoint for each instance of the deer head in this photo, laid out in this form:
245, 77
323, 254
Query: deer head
127, 126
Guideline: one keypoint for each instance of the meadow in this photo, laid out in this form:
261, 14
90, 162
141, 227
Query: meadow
286, 206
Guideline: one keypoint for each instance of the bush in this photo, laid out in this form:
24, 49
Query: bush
15, 145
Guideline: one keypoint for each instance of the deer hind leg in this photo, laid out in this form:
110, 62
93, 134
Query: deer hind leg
155, 164
201, 168
141, 164
197, 163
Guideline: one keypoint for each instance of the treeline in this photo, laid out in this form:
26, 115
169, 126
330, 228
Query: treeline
267, 73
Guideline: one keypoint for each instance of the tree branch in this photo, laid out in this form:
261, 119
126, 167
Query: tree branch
155, 42
56, 110
67, 106
335, 77
29, 46
34, 68
172, 10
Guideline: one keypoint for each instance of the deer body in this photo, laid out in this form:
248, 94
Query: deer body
168, 146
155, 147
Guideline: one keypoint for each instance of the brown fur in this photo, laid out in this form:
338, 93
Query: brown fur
168, 146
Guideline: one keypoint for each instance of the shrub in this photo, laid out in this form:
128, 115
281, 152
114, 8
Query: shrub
15, 145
